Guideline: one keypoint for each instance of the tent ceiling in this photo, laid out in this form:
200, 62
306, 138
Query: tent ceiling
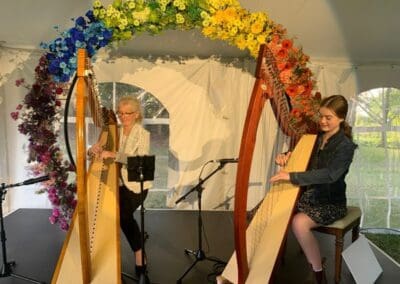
359, 31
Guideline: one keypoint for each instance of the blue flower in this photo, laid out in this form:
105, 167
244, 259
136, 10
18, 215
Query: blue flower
90, 34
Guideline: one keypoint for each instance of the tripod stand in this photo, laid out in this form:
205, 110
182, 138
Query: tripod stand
6, 270
141, 169
199, 253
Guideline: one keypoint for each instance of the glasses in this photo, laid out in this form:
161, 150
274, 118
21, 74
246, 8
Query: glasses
125, 113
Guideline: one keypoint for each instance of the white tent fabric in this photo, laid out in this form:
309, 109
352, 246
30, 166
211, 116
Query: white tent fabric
207, 102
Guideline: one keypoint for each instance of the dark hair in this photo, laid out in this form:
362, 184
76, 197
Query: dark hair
338, 104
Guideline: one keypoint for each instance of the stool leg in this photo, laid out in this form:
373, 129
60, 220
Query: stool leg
338, 256
355, 232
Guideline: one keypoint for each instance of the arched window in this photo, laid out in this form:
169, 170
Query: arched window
156, 121
374, 178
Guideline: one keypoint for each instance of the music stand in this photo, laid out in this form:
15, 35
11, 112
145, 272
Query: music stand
141, 169
6, 270
199, 254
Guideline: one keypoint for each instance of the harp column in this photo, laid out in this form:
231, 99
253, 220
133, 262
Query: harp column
81, 166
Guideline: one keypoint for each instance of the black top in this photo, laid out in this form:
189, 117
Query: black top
328, 168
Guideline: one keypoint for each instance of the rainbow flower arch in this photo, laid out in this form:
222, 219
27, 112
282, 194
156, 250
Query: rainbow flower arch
40, 112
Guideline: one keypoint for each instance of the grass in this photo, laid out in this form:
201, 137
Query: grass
389, 243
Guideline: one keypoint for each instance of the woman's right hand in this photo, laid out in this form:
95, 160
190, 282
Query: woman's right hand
95, 150
282, 159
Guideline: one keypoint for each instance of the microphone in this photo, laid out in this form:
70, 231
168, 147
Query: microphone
36, 180
225, 161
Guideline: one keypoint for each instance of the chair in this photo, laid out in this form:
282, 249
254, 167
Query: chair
339, 229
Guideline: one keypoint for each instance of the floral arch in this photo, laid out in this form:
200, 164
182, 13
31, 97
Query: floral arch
40, 112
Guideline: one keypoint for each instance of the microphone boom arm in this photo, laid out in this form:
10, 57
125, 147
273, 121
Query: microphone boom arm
201, 181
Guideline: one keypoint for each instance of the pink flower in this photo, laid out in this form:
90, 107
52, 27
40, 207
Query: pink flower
14, 115
56, 212
19, 82
52, 220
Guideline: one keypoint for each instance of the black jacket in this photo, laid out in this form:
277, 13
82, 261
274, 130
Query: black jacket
327, 170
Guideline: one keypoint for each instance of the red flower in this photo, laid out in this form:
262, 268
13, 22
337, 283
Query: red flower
287, 43
282, 53
59, 91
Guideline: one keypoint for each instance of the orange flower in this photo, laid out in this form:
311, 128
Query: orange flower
291, 91
285, 76
281, 65
287, 43
282, 53
296, 112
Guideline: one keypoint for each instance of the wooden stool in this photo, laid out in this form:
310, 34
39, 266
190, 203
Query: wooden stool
339, 229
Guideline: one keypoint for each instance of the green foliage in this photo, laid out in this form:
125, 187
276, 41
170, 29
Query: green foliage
389, 243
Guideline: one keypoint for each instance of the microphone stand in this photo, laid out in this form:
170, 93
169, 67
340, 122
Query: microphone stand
6, 270
199, 253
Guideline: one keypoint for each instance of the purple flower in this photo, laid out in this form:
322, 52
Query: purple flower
41, 104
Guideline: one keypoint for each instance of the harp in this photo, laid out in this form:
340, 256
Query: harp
91, 250
270, 223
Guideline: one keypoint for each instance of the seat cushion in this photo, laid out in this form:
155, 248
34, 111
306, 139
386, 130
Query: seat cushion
353, 213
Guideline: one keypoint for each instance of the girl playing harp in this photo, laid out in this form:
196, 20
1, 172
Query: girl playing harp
324, 199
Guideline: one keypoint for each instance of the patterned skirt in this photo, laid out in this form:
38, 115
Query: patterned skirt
323, 214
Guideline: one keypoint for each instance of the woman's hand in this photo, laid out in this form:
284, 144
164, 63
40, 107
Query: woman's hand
108, 154
95, 150
282, 159
281, 175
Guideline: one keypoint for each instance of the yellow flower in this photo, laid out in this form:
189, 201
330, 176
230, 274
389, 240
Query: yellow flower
97, 4
250, 37
205, 23
131, 5
207, 31
240, 42
233, 31
136, 23
257, 27
179, 18
261, 38
204, 14
142, 16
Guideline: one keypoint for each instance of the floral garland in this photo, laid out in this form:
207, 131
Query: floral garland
40, 112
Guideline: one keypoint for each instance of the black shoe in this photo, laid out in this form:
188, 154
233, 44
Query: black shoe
139, 269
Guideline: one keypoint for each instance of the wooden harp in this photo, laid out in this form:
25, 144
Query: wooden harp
91, 250
258, 267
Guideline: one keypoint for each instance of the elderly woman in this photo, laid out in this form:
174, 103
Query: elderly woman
134, 140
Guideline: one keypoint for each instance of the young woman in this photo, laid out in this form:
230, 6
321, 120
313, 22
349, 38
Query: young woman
134, 140
324, 198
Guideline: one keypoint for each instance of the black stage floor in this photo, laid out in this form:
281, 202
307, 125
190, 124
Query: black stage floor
34, 244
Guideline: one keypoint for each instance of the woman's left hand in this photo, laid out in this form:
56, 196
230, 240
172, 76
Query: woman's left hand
281, 175
108, 154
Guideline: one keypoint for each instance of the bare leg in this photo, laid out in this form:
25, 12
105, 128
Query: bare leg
138, 258
301, 226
